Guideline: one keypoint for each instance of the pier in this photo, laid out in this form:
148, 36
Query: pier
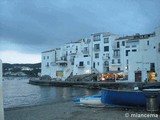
98, 85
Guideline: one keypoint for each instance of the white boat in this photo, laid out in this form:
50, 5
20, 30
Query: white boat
94, 100
90, 101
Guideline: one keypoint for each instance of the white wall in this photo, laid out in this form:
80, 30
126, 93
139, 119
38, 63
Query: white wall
47, 58
1, 94
140, 61
82, 70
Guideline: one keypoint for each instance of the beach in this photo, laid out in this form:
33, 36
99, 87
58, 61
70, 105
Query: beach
67, 110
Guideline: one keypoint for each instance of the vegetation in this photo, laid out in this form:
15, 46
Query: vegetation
31, 71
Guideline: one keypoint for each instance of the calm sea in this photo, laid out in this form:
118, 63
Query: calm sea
18, 93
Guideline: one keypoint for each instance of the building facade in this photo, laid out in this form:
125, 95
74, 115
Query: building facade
105, 53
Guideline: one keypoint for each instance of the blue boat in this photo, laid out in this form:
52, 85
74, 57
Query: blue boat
124, 97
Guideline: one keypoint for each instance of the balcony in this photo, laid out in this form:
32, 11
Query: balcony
116, 63
106, 64
96, 49
105, 57
62, 61
114, 47
53, 63
116, 56
85, 52
80, 66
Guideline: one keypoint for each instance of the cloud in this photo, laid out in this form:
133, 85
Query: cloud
37, 25
17, 57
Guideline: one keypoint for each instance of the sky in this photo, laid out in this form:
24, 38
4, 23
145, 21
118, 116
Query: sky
29, 27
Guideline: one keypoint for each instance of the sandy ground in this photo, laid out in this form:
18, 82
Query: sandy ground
70, 111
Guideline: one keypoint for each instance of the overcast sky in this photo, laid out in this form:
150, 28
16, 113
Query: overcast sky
28, 27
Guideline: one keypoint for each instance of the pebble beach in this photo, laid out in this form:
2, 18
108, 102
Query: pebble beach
67, 110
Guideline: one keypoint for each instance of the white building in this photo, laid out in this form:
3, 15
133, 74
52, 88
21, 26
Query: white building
104, 53
146, 59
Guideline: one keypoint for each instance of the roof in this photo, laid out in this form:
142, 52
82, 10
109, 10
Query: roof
49, 51
136, 36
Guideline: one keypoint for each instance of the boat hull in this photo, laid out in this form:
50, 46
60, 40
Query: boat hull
93, 100
124, 98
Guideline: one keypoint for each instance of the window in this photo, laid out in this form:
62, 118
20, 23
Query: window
85, 50
127, 51
72, 63
76, 48
106, 48
134, 50
152, 67
112, 61
116, 53
96, 37
106, 40
147, 42
94, 65
88, 62
123, 43
85, 56
81, 63
96, 55
117, 44
119, 61
127, 61
134, 45
47, 64
96, 46
97, 63
44, 57
47, 57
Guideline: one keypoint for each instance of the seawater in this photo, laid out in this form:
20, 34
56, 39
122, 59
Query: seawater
18, 93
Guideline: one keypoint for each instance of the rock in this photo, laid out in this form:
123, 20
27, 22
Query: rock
84, 77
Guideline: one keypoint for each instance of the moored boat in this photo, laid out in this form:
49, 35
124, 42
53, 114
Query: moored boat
124, 97
90, 100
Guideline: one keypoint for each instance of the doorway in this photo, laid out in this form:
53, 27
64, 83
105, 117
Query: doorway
138, 76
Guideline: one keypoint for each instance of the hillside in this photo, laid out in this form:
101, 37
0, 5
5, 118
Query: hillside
29, 70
